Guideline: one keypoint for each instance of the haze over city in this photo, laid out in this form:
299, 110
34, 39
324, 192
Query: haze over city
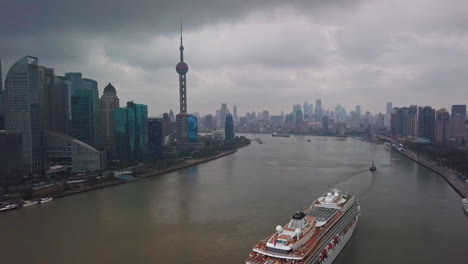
248, 53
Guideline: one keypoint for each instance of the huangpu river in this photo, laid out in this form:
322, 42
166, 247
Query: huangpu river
215, 212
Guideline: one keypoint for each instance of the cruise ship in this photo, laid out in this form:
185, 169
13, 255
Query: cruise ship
314, 236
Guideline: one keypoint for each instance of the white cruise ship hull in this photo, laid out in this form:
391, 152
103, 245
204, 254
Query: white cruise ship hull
336, 251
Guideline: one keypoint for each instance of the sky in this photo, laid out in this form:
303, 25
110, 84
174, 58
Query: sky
258, 55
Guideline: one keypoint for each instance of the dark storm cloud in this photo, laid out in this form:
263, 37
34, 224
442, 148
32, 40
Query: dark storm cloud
143, 16
349, 52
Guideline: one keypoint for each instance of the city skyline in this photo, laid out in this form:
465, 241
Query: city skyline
332, 55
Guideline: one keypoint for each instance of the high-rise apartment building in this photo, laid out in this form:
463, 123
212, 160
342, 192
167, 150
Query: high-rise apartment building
412, 121
442, 126
107, 104
426, 122
131, 131
22, 109
457, 122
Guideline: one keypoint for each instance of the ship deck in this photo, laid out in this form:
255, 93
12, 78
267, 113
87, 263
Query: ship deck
261, 255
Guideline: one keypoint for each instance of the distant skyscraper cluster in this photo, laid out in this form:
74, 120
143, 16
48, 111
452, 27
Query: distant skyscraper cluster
425, 122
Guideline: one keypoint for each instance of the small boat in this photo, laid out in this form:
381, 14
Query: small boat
45, 200
308, 140
29, 203
373, 168
9, 207
279, 135
465, 204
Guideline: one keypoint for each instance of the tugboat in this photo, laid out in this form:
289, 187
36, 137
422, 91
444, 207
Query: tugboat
373, 168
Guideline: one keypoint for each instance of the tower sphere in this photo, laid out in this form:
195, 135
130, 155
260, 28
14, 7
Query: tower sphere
182, 68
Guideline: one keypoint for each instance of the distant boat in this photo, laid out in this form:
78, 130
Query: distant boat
29, 203
373, 168
279, 135
8, 207
465, 204
45, 200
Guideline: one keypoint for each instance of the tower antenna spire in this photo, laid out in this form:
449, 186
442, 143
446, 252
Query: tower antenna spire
180, 31
181, 48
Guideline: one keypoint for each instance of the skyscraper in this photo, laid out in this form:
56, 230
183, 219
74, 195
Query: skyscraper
412, 121
266, 115
459, 110
22, 110
11, 158
155, 135
2, 104
442, 128
92, 85
131, 131
229, 128
56, 107
306, 109
318, 107
389, 108
83, 125
296, 109
457, 122
358, 110
46, 87
234, 112
426, 122
107, 104
223, 112
325, 123
84, 109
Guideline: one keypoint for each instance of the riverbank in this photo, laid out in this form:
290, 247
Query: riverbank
186, 164
87, 189
457, 184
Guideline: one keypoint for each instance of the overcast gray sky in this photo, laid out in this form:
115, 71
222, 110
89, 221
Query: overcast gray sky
256, 54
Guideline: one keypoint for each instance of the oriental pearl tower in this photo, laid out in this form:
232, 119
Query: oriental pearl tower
182, 69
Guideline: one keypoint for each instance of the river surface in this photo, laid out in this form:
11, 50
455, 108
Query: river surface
215, 212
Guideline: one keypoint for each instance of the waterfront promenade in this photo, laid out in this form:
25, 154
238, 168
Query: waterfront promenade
460, 186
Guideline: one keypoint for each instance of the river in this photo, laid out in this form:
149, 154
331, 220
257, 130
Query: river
215, 212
